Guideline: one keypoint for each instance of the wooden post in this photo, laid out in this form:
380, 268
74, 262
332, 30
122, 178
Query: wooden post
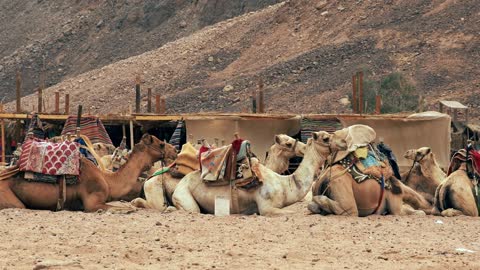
253, 98
79, 118
441, 107
354, 94
163, 106
131, 129
3, 140
137, 94
261, 104
18, 87
67, 104
39, 104
57, 102
378, 104
157, 103
360, 92
149, 101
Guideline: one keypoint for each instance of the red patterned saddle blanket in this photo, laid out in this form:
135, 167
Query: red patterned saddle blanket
50, 158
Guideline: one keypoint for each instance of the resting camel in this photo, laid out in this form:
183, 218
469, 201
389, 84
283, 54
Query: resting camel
276, 192
336, 192
280, 153
95, 187
455, 196
157, 187
425, 174
103, 149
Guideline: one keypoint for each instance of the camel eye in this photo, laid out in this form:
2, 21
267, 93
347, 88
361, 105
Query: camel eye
288, 144
326, 140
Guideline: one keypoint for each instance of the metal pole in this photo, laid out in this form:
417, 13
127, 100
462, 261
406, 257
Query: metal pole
131, 135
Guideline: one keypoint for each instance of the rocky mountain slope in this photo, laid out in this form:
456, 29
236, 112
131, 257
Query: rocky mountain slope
304, 51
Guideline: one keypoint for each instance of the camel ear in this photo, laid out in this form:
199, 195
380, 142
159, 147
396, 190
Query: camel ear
277, 139
315, 136
147, 139
428, 151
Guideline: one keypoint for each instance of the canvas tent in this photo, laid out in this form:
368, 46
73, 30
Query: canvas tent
259, 131
417, 130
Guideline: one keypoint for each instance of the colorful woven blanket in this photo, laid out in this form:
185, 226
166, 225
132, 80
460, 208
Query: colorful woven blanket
50, 158
90, 126
214, 163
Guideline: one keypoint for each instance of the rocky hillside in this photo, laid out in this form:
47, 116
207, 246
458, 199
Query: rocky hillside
68, 38
305, 51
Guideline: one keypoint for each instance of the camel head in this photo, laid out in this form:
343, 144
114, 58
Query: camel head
156, 148
289, 145
103, 149
419, 154
326, 143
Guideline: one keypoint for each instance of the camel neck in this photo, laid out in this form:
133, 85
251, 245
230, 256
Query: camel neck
306, 170
277, 160
122, 181
432, 171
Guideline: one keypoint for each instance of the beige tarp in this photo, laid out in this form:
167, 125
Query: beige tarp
260, 132
403, 133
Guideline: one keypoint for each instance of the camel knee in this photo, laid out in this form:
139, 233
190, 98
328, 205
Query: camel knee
140, 203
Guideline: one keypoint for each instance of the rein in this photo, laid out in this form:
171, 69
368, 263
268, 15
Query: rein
415, 161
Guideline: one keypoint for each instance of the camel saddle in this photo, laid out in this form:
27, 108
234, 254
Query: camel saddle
365, 164
227, 164
473, 161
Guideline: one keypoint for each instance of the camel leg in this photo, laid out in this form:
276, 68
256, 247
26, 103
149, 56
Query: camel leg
408, 210
267, 210
9, 200
330, 206
450, 212
140, 203
183, 199
96, 201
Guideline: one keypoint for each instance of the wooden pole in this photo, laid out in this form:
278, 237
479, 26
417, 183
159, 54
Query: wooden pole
137, 94
57, 102
131, 130
253, 98
149, 101
3, 141
261, 104
39, 104
157, 103
378, 104
360, 92
18, 87
354, 94
79, 118
163, 106
67, 104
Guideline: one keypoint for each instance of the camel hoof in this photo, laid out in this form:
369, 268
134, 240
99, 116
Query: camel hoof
419, 213
170, 209
313, 208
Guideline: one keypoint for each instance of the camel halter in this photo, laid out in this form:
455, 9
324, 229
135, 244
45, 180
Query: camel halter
415, 161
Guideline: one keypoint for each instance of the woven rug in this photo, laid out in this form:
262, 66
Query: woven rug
50, 158
90, 126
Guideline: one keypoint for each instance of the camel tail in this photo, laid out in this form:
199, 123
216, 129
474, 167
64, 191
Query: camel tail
416, 200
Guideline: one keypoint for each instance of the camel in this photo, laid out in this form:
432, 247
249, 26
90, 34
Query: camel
161, 186
455, 196
95, 187
279, 154
425, 174
276, 192
336, 192
103, 149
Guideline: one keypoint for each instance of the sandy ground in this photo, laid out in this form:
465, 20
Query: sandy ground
151, 240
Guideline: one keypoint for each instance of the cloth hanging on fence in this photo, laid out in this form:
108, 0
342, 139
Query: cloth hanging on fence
177, 135
90, 126
36, 127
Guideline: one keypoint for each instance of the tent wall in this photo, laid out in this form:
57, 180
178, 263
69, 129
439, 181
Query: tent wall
403, 134
260, 132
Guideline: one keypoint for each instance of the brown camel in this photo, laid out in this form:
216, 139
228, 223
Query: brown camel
425, 174
336, 192
455, 196
95, 187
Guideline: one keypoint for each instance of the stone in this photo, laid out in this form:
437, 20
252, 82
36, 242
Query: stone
321, 5
228, 88
210, 59
183, 24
